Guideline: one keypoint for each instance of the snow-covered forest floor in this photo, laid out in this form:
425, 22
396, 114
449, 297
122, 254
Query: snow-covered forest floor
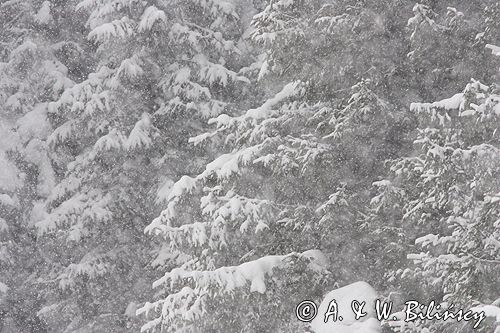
204, 166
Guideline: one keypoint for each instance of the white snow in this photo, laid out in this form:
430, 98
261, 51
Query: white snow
164, 191
359, 291
224, 166
113, 140
9, 174
9, 177
131, 68
150, 16
318, 258
43, 16
139, 136
3, 225
118, 29
494, 49
264, 70
7, 200
427, 239
200, 138
38, 213
492, 311
3, 288
265, 110
34, 124
217, 73
131, 310
451, 103
231, 277
183, 185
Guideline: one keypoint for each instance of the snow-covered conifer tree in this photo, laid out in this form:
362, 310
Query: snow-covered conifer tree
246, 155
34, 70
283, 205
446, 41
448, 196
119, 137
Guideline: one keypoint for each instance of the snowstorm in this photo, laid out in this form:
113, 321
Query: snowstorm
249, 166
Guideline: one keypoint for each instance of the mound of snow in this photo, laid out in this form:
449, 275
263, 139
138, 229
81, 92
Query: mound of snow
359, 291
492, 311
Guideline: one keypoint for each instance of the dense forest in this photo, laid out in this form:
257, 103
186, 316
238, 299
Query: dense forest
203, 166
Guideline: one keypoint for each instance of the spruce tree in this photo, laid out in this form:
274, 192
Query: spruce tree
34, 69
284, 203
119, 138
447, 194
